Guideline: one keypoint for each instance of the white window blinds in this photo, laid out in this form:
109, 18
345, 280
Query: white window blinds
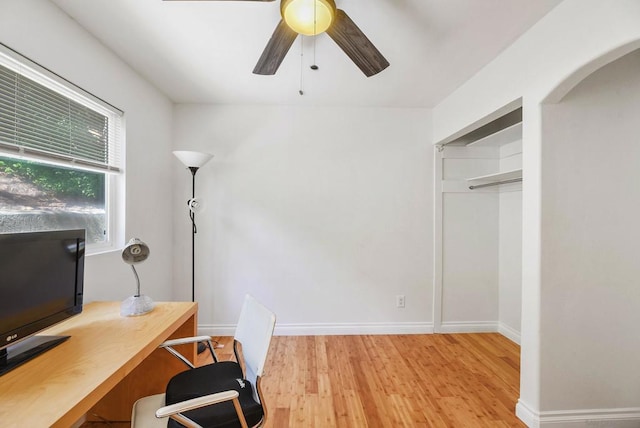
45, 119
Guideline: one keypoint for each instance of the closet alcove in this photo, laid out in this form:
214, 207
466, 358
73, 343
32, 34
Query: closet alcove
478, 200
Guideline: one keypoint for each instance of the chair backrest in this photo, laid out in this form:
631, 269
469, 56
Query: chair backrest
254, 331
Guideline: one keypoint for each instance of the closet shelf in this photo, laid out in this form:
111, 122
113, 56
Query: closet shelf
503, 136
495, 179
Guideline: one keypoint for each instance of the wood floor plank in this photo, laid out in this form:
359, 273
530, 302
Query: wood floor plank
431, 381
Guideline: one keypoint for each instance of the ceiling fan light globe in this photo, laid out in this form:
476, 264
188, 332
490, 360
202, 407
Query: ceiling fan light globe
301, 17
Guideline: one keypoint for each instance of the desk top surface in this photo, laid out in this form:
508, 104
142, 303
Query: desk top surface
66, 381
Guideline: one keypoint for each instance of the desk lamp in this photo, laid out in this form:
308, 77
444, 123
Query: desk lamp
133, 253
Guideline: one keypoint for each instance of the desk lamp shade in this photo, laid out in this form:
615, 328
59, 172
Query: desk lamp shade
133, 253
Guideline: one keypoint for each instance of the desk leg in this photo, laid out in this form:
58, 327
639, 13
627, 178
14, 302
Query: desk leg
148, 378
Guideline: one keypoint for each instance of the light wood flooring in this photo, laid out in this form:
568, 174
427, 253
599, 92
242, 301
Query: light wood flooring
454, 380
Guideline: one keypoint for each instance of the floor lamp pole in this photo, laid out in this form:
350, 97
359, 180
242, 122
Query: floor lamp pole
192, 215
201, 346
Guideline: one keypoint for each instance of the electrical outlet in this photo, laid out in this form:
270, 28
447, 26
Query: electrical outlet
400, 301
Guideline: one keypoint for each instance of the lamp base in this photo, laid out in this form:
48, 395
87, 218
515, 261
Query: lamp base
136, 305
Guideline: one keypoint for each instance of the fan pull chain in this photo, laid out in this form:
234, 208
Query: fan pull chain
314, 66
301, 91
315, 35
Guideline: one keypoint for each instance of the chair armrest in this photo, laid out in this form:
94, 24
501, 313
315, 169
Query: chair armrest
185, 340
175, 410
169, 344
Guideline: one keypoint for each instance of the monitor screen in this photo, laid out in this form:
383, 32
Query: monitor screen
41, 281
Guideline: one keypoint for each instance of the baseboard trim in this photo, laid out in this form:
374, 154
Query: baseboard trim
510, 333
587, 418
330, 329
216, 329
527, 415
325, 329
469, 327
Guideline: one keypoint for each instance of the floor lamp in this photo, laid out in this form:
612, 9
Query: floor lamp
193, 161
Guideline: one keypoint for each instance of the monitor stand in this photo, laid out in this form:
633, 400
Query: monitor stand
15, 355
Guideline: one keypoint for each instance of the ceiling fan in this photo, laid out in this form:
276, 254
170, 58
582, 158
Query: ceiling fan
313, 17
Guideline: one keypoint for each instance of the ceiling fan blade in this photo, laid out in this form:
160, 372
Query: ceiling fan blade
356, 45
220, 0
276, 49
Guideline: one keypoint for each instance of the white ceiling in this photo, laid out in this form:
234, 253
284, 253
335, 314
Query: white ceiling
205, 51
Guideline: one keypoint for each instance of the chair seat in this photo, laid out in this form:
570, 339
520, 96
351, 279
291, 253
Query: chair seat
210, 379
143, 415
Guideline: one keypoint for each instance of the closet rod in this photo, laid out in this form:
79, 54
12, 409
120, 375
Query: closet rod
515, 180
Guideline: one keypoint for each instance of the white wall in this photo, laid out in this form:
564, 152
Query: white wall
469, 243
510, 245
573, 40
510, 263
590, 269
470, 261
40, 31
323, 213
569, 37
481, 239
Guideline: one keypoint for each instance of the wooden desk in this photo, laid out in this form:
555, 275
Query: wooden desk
109, 362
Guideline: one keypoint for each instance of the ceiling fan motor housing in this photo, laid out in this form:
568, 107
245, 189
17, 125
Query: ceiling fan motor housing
315, 17
308, 17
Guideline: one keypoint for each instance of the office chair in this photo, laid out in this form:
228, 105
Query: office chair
222, 394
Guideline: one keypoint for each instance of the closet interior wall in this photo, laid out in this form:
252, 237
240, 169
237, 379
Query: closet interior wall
481, 235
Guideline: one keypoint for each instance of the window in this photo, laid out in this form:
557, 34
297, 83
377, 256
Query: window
60, 163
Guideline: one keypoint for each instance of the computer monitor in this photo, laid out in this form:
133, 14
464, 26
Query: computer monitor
41, 284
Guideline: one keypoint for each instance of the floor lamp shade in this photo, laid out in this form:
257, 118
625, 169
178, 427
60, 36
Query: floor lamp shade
192, 159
